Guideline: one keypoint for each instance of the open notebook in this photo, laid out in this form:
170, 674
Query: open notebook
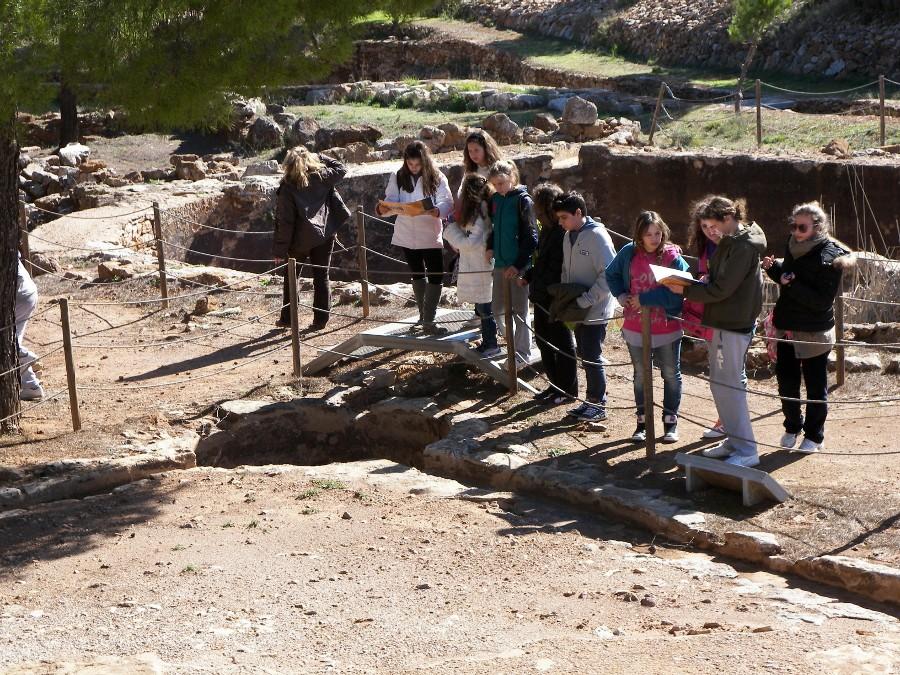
672, 276
416, 208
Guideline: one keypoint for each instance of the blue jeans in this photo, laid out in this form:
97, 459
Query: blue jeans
488, 324
668, 359
589, 339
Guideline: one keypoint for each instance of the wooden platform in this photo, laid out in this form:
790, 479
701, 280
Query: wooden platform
402, 336
753, 484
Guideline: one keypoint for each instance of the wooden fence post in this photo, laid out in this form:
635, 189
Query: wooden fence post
758, 114
362, 258
649, 412
659, 99
510, 338
295, 319
70, 363
839, 350
160, 256
881, 97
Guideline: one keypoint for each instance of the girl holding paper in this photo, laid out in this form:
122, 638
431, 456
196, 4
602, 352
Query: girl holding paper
419, 236
633, 282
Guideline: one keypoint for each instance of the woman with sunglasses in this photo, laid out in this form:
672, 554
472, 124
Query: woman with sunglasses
809, 278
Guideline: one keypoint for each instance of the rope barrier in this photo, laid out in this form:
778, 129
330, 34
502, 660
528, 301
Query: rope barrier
81, 248
178, 297
33, 316
72, 215
892, 81
701, 100
44, 400
820, 93
82, 283
167, 343
158, 385
214, 255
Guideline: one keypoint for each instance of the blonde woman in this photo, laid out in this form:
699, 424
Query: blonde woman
308, 214
809, 278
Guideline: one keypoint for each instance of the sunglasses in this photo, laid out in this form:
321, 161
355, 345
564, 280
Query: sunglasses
800, 228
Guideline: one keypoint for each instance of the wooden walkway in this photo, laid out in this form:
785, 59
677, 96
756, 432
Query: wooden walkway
401, 336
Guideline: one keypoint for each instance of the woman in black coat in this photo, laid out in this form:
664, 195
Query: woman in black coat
810, 278
308, 214
553, 338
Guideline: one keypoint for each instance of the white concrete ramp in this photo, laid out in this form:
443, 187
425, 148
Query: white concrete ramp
402, 336
754, 485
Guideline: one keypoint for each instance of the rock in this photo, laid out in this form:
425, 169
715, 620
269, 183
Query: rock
158, 175
346, 516
580, 111
248, 108
432, 137
751, 545
268, 168
379, 378
89, 166
134, 177
74, 154
535, 135
837, 66
527, 101
43, 263
763, 629
285, 119
856, 364
343, 136
893, 366
648, 601
871, 579
114, 270
354, 153
546, 122
57, 203
321, 97
202, 306
454, 135
839, 148
302, 132
265, 133
192, 170
503, 129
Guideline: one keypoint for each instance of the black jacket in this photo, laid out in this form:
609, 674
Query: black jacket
306, 217
807, 303
548, 262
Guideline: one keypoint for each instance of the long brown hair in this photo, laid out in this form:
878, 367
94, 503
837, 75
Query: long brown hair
716, 207
418, 150
644, 221
491, 150
475, 190
544, 196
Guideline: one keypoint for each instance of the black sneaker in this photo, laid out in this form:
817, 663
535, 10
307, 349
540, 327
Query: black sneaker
640, 433
545, 395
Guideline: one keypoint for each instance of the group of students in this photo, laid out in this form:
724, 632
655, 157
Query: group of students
563, 262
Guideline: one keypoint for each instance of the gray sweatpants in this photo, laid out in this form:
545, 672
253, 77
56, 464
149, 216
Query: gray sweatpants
521, 325
26, 302
727, 358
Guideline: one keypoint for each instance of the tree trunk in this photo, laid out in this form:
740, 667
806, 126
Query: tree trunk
68, 110
745, 67
9, 245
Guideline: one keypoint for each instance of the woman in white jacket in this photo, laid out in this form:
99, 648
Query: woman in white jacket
469, 236
420, 236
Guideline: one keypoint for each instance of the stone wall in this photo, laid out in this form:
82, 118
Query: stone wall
831, 38
618, 185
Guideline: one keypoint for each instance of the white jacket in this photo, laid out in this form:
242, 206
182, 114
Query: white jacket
419, 231
470, 242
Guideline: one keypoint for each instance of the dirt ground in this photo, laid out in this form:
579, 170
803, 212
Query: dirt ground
373, 567
164, 374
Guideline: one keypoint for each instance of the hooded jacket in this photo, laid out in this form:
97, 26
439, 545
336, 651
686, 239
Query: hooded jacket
585, 263
306, 217
470, 242
807, 303
548, 262
732, 299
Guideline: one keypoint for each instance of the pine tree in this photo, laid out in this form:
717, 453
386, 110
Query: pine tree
167, 63
751, 21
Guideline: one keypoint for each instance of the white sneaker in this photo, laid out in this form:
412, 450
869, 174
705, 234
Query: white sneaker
715, 432
789, 440
748, 461
31, 393
809, 446
718, 451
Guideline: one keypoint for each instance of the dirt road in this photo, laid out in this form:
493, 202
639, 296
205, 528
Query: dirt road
372, 567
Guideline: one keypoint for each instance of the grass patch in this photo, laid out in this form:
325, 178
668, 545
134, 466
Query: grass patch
716, 126
308, 511
190, 569
310, 493
328, 484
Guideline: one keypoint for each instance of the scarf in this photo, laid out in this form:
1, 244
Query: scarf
799, 249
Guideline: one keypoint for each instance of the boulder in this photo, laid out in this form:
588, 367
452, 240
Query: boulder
870, 363
354, 153
74, 154
267, 168
432, 137
893, 366
343, 136
192, 170
503, 129
274, 109
580, 111
839, 148
114, 270
535, 135
43, 263
158, 175
546, 122
265, 133
285, 119
87, 166
454, 135
302, 132
245, 109
527, 102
